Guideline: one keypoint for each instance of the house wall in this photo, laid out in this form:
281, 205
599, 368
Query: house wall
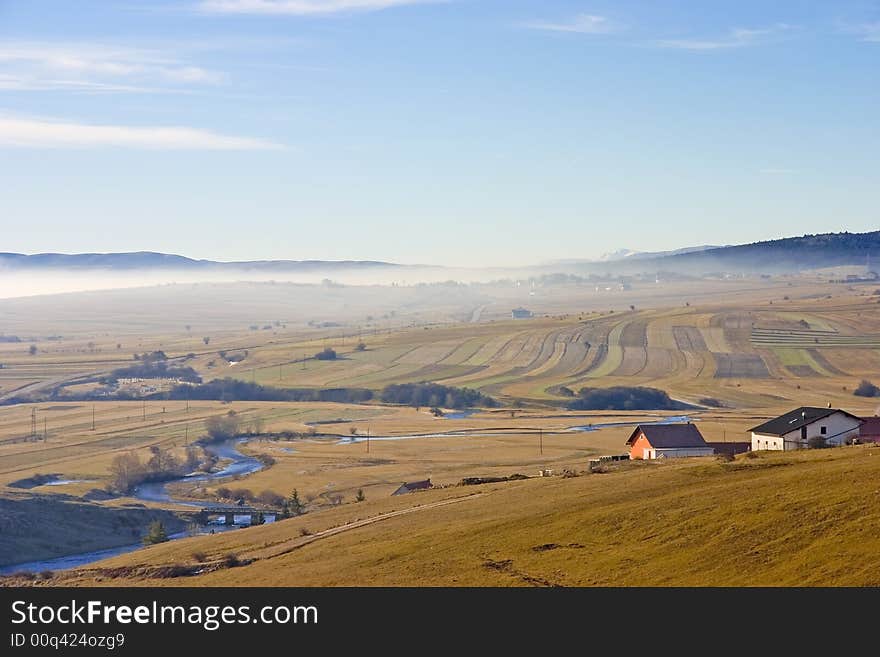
683, 452
766, 441
839, 429
637, 451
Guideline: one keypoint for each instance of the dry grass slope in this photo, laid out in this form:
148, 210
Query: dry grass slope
808, 518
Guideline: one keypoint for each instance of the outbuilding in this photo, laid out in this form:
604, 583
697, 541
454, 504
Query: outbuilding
656, 441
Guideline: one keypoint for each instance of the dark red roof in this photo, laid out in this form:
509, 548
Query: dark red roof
731, 448
870, 426
669, 436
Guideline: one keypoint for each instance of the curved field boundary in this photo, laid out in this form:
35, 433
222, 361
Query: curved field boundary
613, 356
464, 351
573, 356
689, 338
824, 363
489, 350
740, 366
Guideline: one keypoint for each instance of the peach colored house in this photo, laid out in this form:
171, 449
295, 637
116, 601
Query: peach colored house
656, 441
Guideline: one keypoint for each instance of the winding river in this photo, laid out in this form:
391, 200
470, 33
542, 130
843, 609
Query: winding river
239, 464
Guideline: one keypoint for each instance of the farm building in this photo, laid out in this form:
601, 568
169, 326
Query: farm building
520, 313
655, 441
869, 431
410, 486
731, 449
795, 429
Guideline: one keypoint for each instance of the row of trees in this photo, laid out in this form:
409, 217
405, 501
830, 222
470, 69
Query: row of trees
435, 395
624, 398
234, 390
150, 369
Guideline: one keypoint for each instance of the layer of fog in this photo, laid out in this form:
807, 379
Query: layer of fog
25, 283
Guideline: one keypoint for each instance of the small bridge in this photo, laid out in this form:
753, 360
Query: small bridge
233, 515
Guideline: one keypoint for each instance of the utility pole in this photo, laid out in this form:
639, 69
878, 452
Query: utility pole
186, 434
33, 424
145, 410
45, 430
368, 440
93, 417
541, 440
279, 371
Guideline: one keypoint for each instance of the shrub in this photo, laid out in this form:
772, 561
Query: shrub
270, 498
866, 389
360, 497
326, 354
199, 556
156, 533
360, 347
818, 442
231, 560
304, 531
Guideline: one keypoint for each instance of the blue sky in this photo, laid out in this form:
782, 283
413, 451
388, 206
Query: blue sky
462, 132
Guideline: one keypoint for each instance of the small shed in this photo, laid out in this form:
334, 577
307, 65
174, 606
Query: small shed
410, 486
655, 441
869, 431
731, 448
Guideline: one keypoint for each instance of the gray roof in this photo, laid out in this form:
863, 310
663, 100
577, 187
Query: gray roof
794, 420
669, 436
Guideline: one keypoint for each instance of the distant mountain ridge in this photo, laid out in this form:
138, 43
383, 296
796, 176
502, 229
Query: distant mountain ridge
786, 255
145, 260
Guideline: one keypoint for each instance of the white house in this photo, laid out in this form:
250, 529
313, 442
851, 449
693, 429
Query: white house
794, 429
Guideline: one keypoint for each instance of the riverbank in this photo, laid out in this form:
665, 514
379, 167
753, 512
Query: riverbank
42, 527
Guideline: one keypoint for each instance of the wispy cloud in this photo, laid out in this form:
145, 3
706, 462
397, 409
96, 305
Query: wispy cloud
95, 67
865, 31
581, 24
735, 38
45, 133
302, 7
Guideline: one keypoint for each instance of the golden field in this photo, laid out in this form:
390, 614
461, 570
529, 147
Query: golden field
738, 351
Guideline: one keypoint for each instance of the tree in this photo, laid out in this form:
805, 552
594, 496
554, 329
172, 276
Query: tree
156, 534
360, 497
353, 431
32, 350
206, 339
294, 506
817, 442
222, 427
360, 347
126, 472
188, 328
866, 389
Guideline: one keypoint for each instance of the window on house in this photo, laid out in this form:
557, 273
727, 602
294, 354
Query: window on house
823, 430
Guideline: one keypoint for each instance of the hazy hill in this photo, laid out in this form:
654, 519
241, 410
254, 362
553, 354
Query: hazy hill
147, 260
787, 255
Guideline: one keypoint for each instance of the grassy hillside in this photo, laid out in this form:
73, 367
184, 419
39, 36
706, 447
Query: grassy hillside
808, 518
